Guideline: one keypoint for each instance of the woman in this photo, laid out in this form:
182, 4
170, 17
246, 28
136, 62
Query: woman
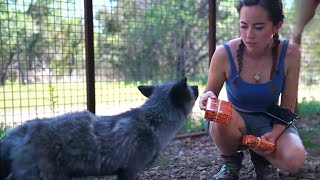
257, 68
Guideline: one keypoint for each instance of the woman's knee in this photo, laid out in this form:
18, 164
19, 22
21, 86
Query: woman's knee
292, 160
290, 154
236, 125
224, 131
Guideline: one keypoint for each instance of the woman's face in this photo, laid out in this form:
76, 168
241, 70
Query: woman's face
256, 28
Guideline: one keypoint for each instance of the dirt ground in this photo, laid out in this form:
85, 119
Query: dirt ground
198, 158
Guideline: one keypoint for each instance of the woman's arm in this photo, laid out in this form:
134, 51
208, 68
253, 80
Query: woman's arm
290, 89
218, 70
216, 76
292, 70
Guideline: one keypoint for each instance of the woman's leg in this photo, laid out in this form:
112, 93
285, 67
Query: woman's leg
289, 154
227, 137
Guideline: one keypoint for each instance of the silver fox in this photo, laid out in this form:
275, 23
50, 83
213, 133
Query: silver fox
82, 144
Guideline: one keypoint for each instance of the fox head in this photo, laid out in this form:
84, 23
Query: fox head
179, 93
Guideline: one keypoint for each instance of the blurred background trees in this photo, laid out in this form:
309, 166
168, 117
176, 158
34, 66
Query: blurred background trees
43, 40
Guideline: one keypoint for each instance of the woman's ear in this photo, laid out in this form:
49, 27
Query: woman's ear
277, 27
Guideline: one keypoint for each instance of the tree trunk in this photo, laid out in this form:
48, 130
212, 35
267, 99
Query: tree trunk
3, 74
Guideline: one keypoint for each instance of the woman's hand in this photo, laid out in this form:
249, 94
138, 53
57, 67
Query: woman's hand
275, 133
203, 99
272, 137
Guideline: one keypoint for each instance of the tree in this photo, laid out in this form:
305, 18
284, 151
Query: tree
31, 35
166, 38
13, 45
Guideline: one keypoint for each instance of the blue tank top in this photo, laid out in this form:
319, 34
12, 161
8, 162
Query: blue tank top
255, 97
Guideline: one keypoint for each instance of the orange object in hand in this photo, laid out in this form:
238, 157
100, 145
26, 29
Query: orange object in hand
218, 110
257, 143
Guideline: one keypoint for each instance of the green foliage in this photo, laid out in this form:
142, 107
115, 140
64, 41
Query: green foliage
159, 40
34, 35
3, 130
311, 53
165, 38
53, 98
193, 125
306, 108
311, 140
227, 21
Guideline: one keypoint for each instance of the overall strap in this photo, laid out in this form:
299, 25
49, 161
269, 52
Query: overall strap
283, 55
231, 61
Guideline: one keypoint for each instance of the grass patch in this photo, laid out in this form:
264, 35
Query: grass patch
311, 139
307, 108
193, 125
311, 136
3, 130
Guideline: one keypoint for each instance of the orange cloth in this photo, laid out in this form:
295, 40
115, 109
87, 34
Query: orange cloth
257, 143
218, 110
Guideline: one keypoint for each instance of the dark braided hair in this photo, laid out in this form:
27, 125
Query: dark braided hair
275, 12
240, 52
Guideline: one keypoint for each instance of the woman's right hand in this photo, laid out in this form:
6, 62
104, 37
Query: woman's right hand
203, 99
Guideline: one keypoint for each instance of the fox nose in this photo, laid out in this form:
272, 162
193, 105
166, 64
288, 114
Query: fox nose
195, 90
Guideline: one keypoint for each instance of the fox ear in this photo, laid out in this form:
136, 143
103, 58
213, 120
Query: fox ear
179, 92
146, 90
182, 83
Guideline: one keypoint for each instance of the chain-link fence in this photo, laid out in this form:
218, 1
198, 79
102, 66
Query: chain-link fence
42, 51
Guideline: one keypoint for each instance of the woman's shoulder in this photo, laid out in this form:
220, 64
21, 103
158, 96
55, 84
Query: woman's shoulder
293, 55
221, 54
293, 51
232, 44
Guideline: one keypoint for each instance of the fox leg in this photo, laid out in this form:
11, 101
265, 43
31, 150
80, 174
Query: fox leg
127, 175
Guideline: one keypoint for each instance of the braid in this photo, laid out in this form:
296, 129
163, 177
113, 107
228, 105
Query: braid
274, 68
240, 52
275, 46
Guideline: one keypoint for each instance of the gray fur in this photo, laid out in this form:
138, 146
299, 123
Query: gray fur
82, 144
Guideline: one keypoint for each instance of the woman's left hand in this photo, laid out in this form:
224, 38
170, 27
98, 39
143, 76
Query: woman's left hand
272, 137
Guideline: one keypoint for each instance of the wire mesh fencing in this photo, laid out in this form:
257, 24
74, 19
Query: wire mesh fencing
135, 42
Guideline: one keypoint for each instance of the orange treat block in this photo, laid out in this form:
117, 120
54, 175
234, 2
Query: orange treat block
218, 110
257, 143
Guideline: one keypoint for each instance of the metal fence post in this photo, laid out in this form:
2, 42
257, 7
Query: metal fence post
90, 71
212, 28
